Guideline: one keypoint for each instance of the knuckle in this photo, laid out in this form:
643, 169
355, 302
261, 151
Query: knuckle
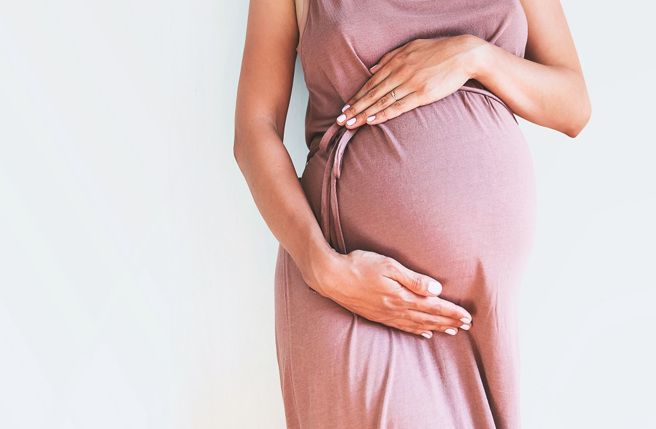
410, 329
382, 102
386, 99
429, 322
426, 326
399, 105
357, 253
392, 316
396, 302
420, 320
396, 61
423, 88
370, 95
387, 303
390, 266
406, 301
415, 282
455, 312
404, 69
415, 324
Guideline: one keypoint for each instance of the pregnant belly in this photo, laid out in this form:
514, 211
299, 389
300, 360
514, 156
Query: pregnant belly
443, 188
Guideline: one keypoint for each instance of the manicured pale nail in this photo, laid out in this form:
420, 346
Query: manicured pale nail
373, 67
434, 287
450, 331
341, 118
465, 320
427, 334
350, 121
371, 118
346, 107
465, 327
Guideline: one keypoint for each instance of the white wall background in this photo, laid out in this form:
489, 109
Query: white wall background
136, 274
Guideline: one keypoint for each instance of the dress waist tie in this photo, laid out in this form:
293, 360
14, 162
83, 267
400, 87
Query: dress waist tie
334, 140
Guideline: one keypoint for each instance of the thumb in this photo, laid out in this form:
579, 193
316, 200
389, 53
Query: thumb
418, 283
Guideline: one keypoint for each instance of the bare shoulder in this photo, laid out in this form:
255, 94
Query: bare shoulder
549, 38
267, 68
275, 19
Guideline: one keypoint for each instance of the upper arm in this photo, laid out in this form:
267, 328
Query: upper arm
549, 39
267, 68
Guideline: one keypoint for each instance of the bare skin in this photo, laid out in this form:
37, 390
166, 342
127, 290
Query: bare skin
545, 87
375, 286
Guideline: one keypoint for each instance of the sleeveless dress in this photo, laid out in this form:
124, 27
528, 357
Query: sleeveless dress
447, 189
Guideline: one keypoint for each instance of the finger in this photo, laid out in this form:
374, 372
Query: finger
368, 86
404, 103
418, 283
410, 327
442, 307
370, 115
423, 332
437, 323
385, 59
425, 329
371, 92
376, 86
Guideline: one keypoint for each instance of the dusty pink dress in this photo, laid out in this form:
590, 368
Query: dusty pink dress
447, 189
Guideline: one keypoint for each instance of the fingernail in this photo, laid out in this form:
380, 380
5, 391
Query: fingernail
346, 107
341, 118
434, 287
465, 320
465, 327
371, 118
350, 121
373, 67
427, 334
450, 331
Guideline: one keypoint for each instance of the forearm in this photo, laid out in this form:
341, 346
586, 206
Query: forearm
552, 96
278, 195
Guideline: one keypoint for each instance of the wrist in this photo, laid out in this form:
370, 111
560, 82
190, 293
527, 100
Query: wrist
319, 266
479, 57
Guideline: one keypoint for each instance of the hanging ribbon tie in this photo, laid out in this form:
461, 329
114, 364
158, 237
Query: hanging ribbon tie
334, 140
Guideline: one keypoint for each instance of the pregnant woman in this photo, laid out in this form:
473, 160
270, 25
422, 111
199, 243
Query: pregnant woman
402, 247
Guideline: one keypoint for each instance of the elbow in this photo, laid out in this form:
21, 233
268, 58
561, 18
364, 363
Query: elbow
237, 147
581, 120
236, 151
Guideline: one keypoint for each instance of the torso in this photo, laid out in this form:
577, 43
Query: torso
447, 189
